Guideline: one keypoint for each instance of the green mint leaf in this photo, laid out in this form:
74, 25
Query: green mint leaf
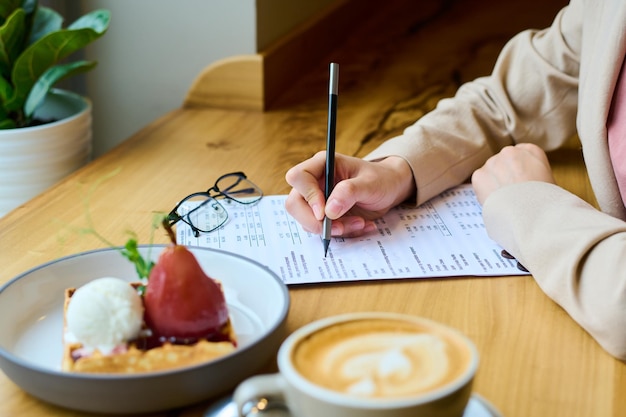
131, 252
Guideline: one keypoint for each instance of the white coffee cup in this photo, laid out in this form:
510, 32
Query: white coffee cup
369, 365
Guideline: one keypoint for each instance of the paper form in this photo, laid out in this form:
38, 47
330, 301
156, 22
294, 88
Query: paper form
442, 238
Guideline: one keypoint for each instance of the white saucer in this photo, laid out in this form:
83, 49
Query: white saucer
477, 407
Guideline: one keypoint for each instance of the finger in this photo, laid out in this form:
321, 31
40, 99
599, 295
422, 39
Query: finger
305, 178
535, 151
312, 168
532, 149
353, 226
542, 171
480, 180
301, 211
359, 195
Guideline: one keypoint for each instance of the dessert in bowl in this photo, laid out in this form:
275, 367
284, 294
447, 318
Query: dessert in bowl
178, 317
32, 342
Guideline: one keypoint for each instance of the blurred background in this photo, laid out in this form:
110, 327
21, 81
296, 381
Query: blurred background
154, 49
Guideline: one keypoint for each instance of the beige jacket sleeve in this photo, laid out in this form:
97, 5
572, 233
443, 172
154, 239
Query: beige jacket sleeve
531, 96
576, 254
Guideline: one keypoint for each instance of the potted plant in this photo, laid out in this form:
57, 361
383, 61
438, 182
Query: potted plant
45, 133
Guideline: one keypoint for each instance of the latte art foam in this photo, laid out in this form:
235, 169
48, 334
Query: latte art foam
379, 358
386, 364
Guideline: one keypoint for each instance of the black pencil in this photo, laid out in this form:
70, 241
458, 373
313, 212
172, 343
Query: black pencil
330, 148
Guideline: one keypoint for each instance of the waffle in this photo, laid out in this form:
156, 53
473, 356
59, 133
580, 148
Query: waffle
135, 360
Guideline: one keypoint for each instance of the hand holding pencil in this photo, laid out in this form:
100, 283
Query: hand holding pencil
350, 196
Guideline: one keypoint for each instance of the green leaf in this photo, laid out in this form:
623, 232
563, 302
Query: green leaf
30, 5
49, 79
98, 20
6, 123
6, 90
12, 36
7, 8
131, 252
52, 48
45, 21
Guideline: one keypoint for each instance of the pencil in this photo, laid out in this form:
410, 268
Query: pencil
330, 149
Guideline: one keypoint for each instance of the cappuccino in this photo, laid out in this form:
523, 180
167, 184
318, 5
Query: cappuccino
382, 357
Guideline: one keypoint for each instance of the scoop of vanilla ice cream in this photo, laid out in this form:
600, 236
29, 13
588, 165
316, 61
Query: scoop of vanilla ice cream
104, 313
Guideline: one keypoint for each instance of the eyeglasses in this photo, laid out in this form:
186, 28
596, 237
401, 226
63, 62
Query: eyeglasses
204, 213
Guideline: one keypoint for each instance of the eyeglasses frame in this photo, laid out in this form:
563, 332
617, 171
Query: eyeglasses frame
213, 193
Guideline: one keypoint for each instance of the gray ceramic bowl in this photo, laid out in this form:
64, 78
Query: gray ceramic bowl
32, 329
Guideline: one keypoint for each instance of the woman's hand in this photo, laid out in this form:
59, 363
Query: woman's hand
513, 164
363, 192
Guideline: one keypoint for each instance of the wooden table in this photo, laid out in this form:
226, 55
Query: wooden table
535, 360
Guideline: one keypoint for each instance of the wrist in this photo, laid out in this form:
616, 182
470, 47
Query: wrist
402, 176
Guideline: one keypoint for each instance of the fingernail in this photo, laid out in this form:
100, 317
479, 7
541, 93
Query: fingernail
333, 208
370, 227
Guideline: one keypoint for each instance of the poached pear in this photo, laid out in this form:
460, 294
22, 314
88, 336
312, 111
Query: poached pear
181, 301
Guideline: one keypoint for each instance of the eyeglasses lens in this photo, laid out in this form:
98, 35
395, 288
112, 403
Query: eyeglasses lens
239, 189
204, 213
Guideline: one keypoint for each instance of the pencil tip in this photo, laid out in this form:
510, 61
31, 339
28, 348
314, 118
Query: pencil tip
326, 244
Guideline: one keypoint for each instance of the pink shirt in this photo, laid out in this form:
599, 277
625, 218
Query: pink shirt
616, 126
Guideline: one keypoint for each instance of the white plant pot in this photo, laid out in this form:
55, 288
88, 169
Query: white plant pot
34, 158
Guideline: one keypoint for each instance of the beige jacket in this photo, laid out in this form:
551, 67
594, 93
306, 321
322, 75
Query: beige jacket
540, 81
